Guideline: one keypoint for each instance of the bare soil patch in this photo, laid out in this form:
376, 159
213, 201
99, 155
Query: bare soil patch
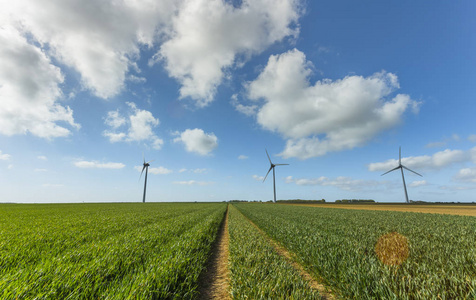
448, 209
215, 281
324, 291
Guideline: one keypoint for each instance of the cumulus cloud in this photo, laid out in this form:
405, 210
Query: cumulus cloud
210, 36
193, 182
155, 170
341, 182
83, 164
196, 140
467, 175
30, 89
472, 138
139, 127
438, 160
4, 156
42, 157
329, 115
242, 157
101, 40
198, 42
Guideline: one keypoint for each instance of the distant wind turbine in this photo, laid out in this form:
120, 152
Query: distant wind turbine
146, 167
274, 179
401, 167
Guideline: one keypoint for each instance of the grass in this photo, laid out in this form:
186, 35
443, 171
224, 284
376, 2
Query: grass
257, 270
339, 245
107, 251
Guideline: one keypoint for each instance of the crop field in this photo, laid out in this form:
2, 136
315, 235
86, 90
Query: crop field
257, 270
105, 251
341, 247
446, 209
273, 251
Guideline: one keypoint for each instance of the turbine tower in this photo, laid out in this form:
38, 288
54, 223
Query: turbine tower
401, 167
146, 167
274, 179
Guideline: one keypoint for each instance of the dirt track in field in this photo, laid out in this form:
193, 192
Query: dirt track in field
324, 291
461, 210
214, 283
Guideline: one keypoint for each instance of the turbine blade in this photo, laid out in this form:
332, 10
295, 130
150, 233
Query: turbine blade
268, 156
143, 156
141, 173
150, 161
267, 173
411, 171
281, 164
391, 170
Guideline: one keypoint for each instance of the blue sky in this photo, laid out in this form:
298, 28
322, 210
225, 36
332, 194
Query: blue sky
332, 88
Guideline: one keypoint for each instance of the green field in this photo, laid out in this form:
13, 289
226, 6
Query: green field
339, 246
106, 251
160, 250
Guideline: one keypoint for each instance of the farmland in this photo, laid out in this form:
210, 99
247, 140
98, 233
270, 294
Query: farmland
446, 209
108, 251
339, 246
163, 250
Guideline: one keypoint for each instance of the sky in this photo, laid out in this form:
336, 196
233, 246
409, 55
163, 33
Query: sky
89, 89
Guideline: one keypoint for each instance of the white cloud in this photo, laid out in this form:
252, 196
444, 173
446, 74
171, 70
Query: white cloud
97, 165
182, 170
139, 123
472, 138
198, 42
258, 178
341, 182
249, 110
136, 79
438, 160
4, 156
193, 182
30, 89
418, 183
99, 39
156, 171
196, 140
210, 36
114, 119
329, 115
242, 157
42, 157
466, 175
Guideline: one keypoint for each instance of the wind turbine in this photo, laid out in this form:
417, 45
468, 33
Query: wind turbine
274, 179
401, 167
146, 167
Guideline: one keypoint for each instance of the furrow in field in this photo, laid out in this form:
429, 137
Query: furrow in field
325, 292
257, 271
153, 261
215, 281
